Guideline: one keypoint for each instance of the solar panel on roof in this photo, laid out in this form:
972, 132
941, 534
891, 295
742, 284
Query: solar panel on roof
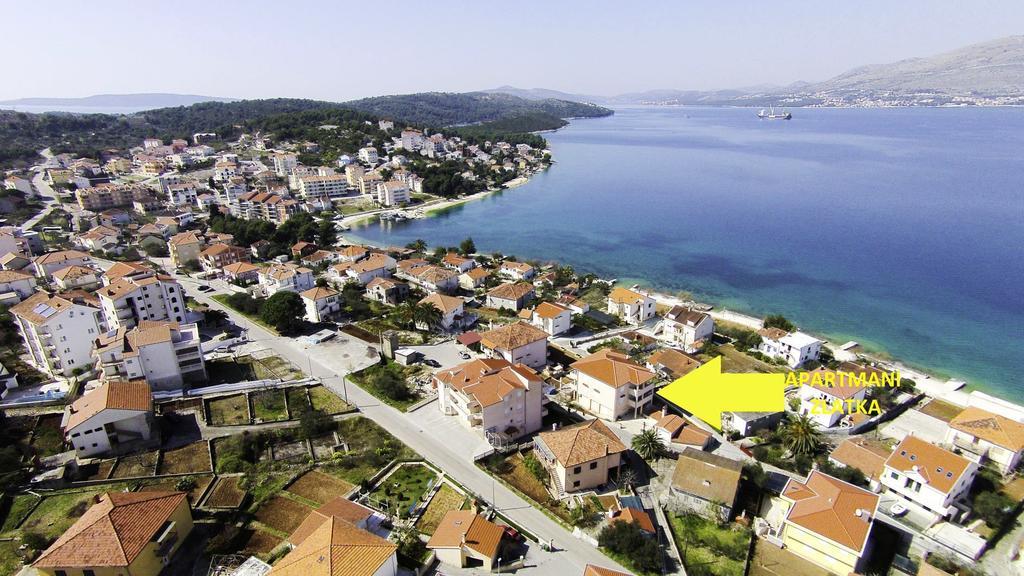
44, 310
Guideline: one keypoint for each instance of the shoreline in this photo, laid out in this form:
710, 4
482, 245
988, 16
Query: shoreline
928, 380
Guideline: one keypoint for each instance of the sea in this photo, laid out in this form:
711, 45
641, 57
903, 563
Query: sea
901, 228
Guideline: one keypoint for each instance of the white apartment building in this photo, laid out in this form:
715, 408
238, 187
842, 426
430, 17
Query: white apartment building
321, 303
928, 476
368, 155
518, 343
501, 400
630, 306
368, 183
128, 300
795, 348
686, 327
45, 265
284, 164
288, 277
516, 270
412, 139
58, 332
362, 271
609, 385
334, 186
392, 193
552, 318
167, 355
111, 416
353, 174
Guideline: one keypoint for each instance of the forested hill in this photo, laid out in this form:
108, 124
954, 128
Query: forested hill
22, 134
451, 109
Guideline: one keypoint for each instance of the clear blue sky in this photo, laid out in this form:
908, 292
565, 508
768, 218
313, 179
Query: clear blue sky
344, 50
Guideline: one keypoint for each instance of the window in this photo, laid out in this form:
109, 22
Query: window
593, 465
88, 573
576, 484
60, 573
577, 470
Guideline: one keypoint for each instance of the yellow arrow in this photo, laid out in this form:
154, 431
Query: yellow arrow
706, 393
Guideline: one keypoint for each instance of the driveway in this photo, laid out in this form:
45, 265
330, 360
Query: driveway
440, 445
446, 353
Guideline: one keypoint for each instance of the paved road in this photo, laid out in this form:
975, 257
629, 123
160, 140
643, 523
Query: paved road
45, 191
441, 449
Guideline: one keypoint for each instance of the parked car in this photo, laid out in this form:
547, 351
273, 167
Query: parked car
464, 355
432, 363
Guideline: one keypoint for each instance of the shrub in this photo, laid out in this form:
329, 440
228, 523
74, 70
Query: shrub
994, 508
35, 541
628, 540
185, 484
536, 468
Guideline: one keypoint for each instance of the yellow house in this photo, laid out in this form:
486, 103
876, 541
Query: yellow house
184, 248
828, 522
124, 534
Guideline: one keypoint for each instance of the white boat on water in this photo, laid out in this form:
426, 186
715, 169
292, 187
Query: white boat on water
771, 114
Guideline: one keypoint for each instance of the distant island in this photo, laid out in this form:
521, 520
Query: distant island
135, 102
986, 74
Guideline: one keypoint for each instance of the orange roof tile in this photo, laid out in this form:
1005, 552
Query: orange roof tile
511, 291
339, 507
113, 532
115, 395
613, 368
443, 303
867, 456
512, 336
833, 509
940, 468
582, 442
336, 548
626, 296
479, 534
990, 427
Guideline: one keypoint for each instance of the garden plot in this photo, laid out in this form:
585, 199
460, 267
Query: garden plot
136, 465
226, 493
403, 488
282, 514
444, 500
323, 446
268, 406
171, 485
229, 410
298, 401
327, 401
290, 450
319, 487
191, 458
21, 505
58, 512
96, 471
260, 543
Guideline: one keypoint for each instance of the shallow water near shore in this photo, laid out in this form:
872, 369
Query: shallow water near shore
901, 228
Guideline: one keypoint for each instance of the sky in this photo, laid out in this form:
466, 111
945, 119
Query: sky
344, 50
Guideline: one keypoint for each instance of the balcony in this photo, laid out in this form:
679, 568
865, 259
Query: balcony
967, 446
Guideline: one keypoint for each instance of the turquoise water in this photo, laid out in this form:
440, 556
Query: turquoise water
900, 228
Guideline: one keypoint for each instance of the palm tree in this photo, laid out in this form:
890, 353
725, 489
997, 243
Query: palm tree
427, 315
418, 245
405, 313
648, 444
801, 436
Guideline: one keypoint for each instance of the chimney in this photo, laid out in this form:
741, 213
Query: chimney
554, 426
664, 411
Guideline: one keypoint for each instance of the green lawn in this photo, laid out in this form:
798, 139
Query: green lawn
298, 402
226, 371
10, 561
223, 299
269, 406
405, 486
716, 550
370, 449
445, 500
20, 505
327, 401
58, 512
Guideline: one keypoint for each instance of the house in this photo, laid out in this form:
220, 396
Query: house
335, 540
451, 308
473, 279
794, 348
386, 290
58, 331
260, 249
100, 239
630, 306
825, 403
432, 278
19, 284
216, 256
510, 296
302, 248
242, 273
866, 455
519, 343
45, 265
636, 516
552, 318
687, 328
167, 355
321, 303
103, 420
748, 423
581, 456
362, 271
704, 483
986, 436
927, 475
320, 257
466, 539
672, 363
392, 193
143, 295
14, 261
610, 385
458, 263
828, 522
287, 277
516, 270
184, 247
134, 533
677, 433
500, 399
352, 253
